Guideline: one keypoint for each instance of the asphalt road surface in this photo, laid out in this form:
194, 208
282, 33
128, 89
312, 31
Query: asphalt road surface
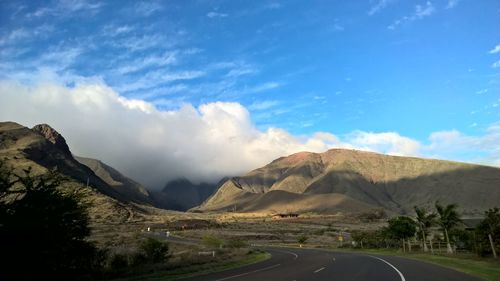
289, 264
308, 264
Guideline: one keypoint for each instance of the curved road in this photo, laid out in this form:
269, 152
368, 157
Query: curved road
289, 264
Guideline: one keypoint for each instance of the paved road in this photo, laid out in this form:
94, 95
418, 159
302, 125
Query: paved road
290, 264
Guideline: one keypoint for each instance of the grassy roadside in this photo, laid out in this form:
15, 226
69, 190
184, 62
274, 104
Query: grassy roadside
485, 268
196, 270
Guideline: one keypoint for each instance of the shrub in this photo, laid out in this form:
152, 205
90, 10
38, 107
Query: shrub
236, 243
154, 250
302, 239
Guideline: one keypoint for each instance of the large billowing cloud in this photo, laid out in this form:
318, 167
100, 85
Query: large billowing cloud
203, 144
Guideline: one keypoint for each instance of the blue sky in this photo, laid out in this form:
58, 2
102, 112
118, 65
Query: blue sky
413, 68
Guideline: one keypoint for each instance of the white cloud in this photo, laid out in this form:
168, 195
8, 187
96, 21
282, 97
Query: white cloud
139, 43
216, 15
240, 70
496, 64
14, 36
263, 105
421, 11
451, 4
390, 143
495, 50
483, 91
151, 146
263, 87
380, 5
147, 8
167, 58
205, 143
112, 30
66, 8
480, 149
158, 77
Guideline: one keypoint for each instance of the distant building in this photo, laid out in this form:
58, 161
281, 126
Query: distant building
284, 216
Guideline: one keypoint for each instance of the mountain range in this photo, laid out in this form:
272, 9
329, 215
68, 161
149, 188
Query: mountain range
342, 180
336, 181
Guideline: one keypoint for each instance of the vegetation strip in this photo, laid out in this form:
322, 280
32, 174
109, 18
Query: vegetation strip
203, 269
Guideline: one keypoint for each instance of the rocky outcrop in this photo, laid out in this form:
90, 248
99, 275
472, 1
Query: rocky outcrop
52, 136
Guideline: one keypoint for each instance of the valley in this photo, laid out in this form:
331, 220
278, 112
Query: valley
339, 200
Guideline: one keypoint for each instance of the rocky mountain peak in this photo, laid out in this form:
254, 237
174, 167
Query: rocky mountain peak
52, 136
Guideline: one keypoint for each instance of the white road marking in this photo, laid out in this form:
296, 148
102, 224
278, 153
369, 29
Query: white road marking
318, 270
288, 252
250, 272
399, 272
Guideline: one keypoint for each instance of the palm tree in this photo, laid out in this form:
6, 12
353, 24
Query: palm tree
448, 218
425, 221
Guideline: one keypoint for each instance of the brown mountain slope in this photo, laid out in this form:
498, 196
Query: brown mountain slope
370, 180
132, 190
43, 149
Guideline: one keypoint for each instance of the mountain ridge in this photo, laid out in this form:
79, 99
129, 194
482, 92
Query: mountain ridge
395, 183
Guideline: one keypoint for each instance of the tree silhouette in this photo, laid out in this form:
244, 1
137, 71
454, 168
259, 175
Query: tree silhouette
490, 225
448, 218
42, 229
425, 220
401, 228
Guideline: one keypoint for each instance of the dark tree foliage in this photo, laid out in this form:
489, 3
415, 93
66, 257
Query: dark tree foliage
154, 250
402, 227
489, 225
42, 230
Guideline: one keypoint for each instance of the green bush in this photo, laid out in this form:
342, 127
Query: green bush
154, 250
302, 239
236, 243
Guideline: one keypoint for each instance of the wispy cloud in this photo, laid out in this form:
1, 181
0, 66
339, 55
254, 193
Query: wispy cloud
113, 30
263, 105
160, 92
273, 6
452, 4
496, 64
420, 12
166, 58
138, 43
240, 69
147, 8
157, 78
380, 5
14, 36
24, 34
66, 8
495, 50
483, 91
263, 87
216, 15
